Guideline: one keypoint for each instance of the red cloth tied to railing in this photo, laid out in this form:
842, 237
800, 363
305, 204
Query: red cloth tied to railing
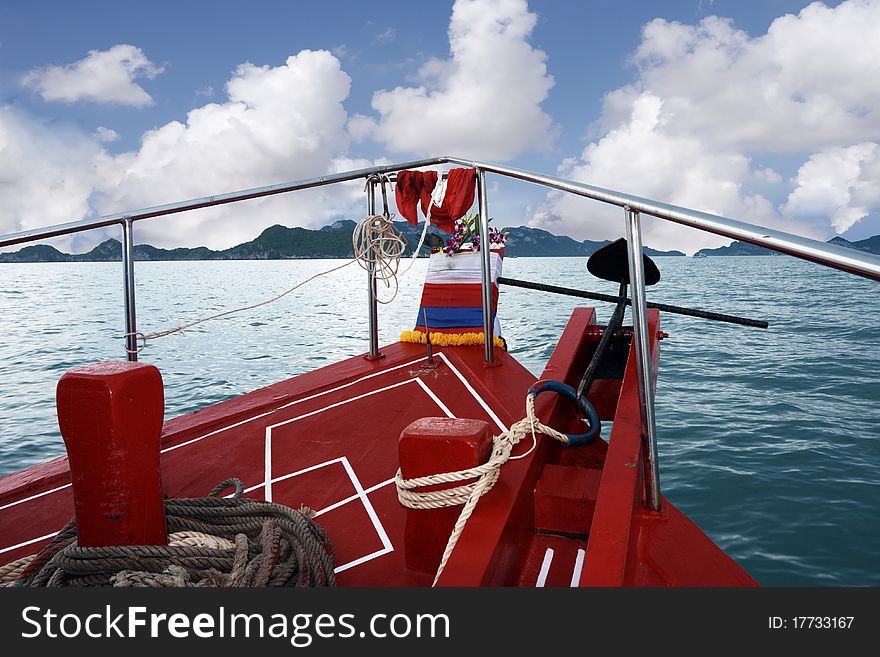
415, 187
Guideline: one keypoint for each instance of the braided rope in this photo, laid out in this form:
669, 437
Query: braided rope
199, 539
480, 478
214, 541
13, 570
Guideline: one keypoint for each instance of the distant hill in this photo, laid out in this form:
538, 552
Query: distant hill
332, 241
524, 241
737, 249
870, 245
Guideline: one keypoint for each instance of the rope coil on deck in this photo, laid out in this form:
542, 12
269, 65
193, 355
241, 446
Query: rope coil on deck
480, 478
215, 542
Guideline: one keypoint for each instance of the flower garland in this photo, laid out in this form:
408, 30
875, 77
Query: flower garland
451, 339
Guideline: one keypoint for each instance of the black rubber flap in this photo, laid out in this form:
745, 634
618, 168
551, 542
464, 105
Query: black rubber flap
611, 263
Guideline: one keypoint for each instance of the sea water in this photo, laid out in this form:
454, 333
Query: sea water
768, 439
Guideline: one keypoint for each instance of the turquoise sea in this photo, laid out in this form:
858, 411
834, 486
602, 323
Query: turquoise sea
769, 439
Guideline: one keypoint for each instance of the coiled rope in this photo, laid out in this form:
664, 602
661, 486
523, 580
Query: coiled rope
378, 247
215, 542
480, 478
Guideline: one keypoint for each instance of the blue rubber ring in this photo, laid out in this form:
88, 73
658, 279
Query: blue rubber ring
583, 405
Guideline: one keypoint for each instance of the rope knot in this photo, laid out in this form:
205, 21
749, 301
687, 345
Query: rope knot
480, 479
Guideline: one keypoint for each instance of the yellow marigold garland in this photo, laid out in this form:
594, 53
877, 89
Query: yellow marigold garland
450, 339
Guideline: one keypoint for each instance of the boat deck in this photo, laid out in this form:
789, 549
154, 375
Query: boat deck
328, 440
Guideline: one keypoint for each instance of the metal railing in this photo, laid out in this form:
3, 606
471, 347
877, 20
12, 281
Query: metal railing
849, 260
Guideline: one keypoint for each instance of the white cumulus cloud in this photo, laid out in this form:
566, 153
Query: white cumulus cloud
840, 183
106, 134
103, 76
47, 172
710, 101
482, 102
278, 124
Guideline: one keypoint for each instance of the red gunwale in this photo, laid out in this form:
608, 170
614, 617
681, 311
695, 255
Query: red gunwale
334, 432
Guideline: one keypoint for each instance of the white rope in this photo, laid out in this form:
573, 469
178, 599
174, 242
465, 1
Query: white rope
199, 539
437, 196
13, 570
480, 478
420, 244
378, 247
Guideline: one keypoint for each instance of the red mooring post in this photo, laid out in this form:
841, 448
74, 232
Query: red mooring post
111, 417
428, 446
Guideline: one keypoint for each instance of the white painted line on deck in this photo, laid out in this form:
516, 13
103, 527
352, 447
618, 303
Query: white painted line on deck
216, 431
33, 497
293, 403
365, 500
578, 568
268, 452
380, 485
473, 392
341, 403
352, 498
357, 562
436, 399
293, 474
33, 540
486, 408
545, 568
267, 473
347, 385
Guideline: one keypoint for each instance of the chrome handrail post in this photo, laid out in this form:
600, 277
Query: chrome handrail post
372, 297
643, 354
486, 268
128, 289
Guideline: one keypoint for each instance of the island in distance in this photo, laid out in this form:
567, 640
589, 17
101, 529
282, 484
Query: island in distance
870, 245
333, 241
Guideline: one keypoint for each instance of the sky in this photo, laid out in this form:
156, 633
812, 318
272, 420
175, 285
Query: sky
765, 111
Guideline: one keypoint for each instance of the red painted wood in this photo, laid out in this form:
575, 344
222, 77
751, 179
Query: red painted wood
565, 499
430, 446
673, 550
56, 471
566, 363
562, 563
629, 545
621, 489
501, 514
333, 446
110, 415
493, 553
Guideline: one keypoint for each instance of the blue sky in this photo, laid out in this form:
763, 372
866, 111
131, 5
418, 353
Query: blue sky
600, 91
